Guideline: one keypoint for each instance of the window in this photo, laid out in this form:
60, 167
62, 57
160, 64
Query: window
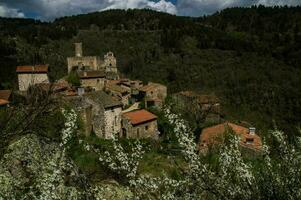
146, 128
115, 121
249, 140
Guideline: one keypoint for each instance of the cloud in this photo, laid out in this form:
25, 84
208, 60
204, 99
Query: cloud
10, 12
50, 9
279, 2
205, 7
162, 5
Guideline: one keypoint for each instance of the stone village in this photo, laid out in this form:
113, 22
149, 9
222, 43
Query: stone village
109, 104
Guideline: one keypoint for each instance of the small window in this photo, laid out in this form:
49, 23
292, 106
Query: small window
146, 128
115, 121
98, 80
249, 140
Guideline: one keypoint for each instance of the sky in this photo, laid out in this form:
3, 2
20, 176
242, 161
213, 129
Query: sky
48, 10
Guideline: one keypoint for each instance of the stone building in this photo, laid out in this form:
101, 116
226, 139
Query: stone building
154, 94
99, 112
106, 114
215, 135
203, 108
81, 63
92, 79
119, 92
93, 63
31, 75
139, 124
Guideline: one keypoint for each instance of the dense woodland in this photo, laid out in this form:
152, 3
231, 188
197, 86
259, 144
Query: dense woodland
249, 57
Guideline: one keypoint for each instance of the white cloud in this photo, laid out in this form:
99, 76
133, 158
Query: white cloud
10, 12
203, 7
50, 9
162, 5
279, 2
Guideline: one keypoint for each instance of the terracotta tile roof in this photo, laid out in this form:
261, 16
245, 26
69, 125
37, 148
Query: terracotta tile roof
32, 69
140, 116
3, 102
91, 74
5, 94
214, 135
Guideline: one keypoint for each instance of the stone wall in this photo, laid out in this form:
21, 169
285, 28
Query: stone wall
86, 116
95, 83
86, 62
25, 80
157, 91
200, 111
112, 121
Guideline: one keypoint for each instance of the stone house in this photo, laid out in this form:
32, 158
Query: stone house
5, 97
215, 135
204, 108
119, 92
106, 114
99, 112
31, 75
92, 79
139, 124
154, 94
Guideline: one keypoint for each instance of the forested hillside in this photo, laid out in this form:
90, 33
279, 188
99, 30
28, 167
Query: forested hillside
249, 57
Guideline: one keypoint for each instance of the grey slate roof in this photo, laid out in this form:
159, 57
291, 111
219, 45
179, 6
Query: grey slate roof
103, 98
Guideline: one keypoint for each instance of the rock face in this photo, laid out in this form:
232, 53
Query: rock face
33, 168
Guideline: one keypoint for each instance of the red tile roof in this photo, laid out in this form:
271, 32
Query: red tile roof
3, 102
213, 135
140, 116
5, 94
32, 69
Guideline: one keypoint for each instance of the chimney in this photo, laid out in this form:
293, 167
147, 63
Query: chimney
80, 91
78, 49
252, 130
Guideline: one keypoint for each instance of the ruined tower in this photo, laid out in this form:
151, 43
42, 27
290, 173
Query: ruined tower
78, 49
110, 62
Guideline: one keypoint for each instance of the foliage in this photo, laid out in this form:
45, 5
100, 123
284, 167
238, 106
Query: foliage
233, 177
73, 79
